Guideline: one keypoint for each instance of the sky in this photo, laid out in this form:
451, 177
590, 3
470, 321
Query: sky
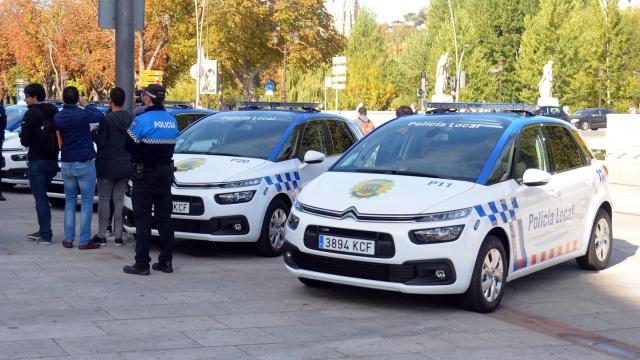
390, 10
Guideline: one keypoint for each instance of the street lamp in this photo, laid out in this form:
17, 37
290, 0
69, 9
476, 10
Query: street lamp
459, 70
284, 49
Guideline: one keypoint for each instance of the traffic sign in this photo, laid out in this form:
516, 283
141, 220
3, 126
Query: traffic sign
339, 60
339, 69
151, 72
148, 77
107, 14
270, 86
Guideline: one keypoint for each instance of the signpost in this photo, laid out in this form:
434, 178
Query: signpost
269, 87
148, 77
339, 72
126, 17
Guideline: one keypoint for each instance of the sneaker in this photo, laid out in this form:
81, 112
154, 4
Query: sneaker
118, 242
34, 236
67, 244
44, 242
98, 240
134, 270
88, 246
164, 267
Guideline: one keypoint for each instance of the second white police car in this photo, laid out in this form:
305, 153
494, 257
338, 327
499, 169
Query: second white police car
239, 171
453, 203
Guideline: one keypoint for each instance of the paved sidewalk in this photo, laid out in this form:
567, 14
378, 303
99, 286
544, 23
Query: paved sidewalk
223, 302
626, 199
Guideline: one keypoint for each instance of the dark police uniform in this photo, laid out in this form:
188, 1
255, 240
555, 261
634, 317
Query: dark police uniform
154, 133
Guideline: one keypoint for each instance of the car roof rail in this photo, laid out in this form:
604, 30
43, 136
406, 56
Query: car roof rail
508, 108
276, 105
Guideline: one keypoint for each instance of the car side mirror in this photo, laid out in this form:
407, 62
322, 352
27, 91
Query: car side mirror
535, 177
313, 157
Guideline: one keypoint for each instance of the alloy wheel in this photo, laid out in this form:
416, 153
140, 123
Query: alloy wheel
276, 228
492, 275
602, 240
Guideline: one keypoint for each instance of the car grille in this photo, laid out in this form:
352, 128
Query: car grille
15, 174
384, 242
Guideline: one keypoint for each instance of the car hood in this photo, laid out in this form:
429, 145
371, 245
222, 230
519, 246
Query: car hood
380, 194
205, 169
11, 141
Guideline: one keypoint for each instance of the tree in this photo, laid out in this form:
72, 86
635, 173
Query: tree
241, 36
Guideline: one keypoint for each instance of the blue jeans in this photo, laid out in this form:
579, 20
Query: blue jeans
40, 173
78, 176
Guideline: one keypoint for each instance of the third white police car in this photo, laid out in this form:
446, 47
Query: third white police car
239, 171
453, 204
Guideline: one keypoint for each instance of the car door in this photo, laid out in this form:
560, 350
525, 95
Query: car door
601, 119
534, 234
315, 137
574, 180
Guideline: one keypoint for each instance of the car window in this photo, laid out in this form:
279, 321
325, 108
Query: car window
341, 136
532, 153
315, 138
289, 147
14, 116
502, 169
564, 151
251, 134
554, 111
587, 155
450, 147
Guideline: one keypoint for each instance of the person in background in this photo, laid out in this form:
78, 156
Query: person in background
78, 168
3, 125
152, 137
113, 166
38, 134
363, 121
403, 110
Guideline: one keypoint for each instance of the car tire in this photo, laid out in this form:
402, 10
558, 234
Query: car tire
57, 203
271, 241
314, 283
491, 268
600, 244
584, 125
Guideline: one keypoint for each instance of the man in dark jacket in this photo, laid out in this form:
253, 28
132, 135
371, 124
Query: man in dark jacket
3, 125
42, 157
78, 168
113, 165
153, 136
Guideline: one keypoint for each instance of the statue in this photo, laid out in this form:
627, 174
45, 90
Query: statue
545, 86
442, 72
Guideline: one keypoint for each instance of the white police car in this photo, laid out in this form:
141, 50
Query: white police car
453, 204
238, 172
15, 155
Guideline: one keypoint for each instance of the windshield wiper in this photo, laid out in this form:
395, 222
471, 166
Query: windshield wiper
224, 154
395, 172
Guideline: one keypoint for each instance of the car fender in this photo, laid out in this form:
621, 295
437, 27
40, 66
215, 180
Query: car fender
600, 197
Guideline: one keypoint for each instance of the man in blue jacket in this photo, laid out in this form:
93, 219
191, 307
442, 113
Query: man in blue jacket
78, 167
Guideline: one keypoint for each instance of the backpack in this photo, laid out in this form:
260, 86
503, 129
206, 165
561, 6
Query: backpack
48, 137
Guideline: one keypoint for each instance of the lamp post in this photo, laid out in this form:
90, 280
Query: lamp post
284, 49
459, 70
500, 70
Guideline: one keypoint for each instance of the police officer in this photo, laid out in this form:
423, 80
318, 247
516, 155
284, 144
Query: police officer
153, 134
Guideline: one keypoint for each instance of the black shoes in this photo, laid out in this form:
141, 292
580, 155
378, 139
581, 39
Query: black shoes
34, 236
118, 242
2, 198
134, 270
98, 240
164, 267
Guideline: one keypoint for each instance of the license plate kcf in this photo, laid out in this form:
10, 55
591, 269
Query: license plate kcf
348, 245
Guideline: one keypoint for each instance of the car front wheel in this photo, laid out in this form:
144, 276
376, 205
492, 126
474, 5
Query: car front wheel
489, 278
584, 125
600, 244
271, 240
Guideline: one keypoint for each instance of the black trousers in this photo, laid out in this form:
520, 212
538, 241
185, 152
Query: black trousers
150, 194
1, 162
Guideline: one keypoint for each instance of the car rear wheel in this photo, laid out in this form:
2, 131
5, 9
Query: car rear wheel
600, 244
584, 125
489, 278
271, 240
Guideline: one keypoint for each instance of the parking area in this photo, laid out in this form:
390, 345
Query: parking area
223, 302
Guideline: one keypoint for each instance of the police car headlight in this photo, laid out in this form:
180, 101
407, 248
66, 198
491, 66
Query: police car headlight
297, 205
447, 215
241, 183
20, 157
436, 235
235, 197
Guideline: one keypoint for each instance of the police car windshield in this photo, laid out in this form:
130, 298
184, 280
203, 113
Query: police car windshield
251, 134
447, 146
14, 116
